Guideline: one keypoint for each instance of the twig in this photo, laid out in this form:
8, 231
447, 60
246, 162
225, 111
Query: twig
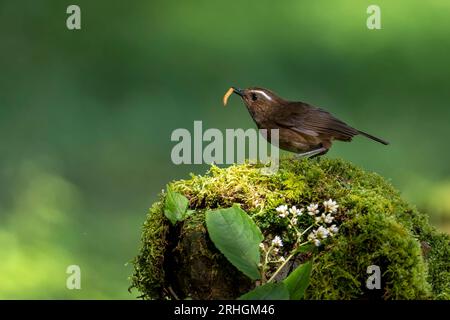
173, 293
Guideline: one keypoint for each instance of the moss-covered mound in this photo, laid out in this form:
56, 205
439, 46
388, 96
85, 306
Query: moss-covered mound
376, 227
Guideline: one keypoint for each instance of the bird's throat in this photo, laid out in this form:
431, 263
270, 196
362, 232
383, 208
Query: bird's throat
259, 114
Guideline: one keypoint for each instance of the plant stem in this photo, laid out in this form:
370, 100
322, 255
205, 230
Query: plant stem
263, 271
281, 267
294, 252
304, 231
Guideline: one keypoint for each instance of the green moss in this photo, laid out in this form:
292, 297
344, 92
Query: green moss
376, 228
148, 275
438, 263
371, 239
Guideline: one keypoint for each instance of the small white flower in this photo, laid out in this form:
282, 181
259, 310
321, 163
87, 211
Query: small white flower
261, 245
319, 219
296, 212
282, 259
282, 211
316, 242
294, 220
333, 229
313, 209
330, 206
328, 218
277, 241
322, 233
276, 250
312, 235
292, 210
283, 215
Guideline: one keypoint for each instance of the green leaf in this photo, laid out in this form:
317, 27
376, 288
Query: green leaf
298, 281
235, 234
175, 206
269, 291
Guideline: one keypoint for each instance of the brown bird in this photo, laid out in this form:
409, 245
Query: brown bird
303, 129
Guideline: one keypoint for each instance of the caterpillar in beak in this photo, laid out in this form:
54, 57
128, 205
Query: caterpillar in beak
227, 95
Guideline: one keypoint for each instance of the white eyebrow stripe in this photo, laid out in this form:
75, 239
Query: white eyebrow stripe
264, 94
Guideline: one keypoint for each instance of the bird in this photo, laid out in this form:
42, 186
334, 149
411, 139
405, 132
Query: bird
304, 129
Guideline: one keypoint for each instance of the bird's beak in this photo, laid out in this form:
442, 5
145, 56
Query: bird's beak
238, 91
230, 91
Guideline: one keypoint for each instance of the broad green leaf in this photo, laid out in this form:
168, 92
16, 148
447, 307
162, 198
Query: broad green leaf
298, 280
235, 234
175, 206
269, 291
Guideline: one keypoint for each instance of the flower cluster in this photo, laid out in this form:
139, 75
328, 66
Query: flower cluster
272, 252
326, 218
330, 206
321, 233
284, 211
277, 242
313, 209
323, 220
293, 213
317, 222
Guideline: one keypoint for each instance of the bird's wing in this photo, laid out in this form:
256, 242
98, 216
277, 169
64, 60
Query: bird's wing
312, 121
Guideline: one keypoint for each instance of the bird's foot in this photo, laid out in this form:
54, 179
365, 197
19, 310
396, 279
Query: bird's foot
311, 153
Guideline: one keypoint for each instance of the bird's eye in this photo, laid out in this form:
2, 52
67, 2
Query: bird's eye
254, 97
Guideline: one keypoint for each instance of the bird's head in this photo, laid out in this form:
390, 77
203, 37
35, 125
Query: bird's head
255, 97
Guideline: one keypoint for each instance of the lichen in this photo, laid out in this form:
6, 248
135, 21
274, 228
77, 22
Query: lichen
377, 227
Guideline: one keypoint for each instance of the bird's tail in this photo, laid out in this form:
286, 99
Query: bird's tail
373, 138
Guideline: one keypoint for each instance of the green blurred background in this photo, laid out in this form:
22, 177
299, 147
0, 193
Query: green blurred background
86, 116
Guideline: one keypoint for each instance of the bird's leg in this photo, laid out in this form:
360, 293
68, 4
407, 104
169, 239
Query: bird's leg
311, 153
320, 154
